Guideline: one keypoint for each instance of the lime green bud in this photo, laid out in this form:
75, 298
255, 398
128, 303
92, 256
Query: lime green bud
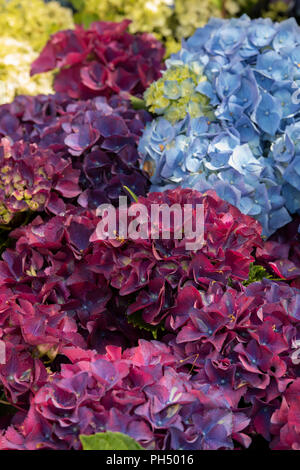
192, 14
33, 205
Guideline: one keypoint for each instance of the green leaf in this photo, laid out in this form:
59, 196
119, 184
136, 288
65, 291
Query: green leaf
258, 273
137, 321
137, 103
109, 441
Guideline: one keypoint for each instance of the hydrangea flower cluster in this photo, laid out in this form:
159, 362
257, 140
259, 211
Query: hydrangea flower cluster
66, 294
178, 337
162, 267
245, 342
15, 62
200, 154
29, 331
250, 157
26, 116
281, 253
50, 265
239, 345
139, 392
99, 137
254, 328
171, 20
104, 60
33, 179
24, 32
35, 24
175, 94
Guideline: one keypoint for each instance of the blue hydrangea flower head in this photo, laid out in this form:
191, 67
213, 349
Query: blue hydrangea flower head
248, 147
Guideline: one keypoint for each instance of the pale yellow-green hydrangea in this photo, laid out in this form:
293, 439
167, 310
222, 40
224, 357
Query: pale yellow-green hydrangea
15, 61
192, 14
174, 94
33, 21
277, 11
168, 20
146, 15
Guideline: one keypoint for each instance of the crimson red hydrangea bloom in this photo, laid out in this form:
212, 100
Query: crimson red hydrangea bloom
140, 393
42, 329
156, 269
33, 179
22, 374
48, 265
281, 253
103, 60
226, 357
285, 422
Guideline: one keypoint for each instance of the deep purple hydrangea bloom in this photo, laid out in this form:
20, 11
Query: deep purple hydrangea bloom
102, 61
246, 342
26, 116
100, 137
251, 331
104, 150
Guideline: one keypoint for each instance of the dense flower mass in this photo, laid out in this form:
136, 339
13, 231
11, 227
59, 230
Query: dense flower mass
251, 68
50, 265
175, 94
98, 136
64, 292
33, 25
249, 154
155, 268
33, 179
239, 345
140, 392
247, 343
171, 20
252, 330
200, 154
281, 253
15, 61
103, 60
23, 33
174, 321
